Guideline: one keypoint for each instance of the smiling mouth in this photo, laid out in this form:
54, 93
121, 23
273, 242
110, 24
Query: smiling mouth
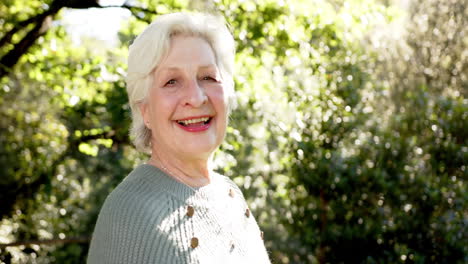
195, 121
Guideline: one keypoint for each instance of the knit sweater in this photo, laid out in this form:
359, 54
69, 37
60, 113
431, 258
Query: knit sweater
152, 218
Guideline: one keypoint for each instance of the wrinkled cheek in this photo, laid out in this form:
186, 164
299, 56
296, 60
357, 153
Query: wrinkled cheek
223, 127
229, 101
224, 100
222, 118
220, 136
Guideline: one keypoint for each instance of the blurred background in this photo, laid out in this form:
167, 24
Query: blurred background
349, 138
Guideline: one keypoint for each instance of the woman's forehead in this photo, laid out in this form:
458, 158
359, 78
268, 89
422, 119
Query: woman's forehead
166, 69
188, 52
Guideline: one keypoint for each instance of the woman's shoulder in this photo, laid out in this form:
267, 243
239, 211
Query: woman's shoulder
140, 199
132, 219
231, 185
144, 186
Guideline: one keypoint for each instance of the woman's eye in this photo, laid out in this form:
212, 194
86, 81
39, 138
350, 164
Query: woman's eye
171, 82
209, 78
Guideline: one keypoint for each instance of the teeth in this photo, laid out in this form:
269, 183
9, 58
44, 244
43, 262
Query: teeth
192, 121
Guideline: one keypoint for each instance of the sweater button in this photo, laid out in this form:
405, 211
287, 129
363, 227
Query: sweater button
232, 246
194, 242
231, 192
190, 211
247, 212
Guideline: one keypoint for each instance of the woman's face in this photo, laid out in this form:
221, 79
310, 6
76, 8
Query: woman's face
186, 107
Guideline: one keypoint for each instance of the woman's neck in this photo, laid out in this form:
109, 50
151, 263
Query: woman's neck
194, 173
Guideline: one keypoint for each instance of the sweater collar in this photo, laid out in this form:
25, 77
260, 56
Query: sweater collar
163, 182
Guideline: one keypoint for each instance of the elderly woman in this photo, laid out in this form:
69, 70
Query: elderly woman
175, 208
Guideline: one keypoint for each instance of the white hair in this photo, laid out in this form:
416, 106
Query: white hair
153, 44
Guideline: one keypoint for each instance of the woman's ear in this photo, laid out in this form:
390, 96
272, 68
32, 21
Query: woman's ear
144, 114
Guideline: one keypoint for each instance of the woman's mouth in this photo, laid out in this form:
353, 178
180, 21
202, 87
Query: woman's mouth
195, 121
197, 124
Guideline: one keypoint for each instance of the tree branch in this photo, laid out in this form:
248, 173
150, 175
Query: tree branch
7, 37
42, 24
135, 10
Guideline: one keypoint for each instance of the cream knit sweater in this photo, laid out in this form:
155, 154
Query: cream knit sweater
152, 218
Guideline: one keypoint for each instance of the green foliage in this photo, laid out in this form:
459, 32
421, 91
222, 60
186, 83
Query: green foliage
349, 137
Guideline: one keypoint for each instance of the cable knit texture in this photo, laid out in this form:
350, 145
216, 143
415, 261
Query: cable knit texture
152, 218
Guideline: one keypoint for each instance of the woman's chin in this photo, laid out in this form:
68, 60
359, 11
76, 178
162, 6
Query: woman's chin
199, 143
199, 149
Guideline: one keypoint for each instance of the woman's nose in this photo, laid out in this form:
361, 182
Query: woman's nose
195, 95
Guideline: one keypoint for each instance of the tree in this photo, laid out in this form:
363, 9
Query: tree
385, 186
37, 24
